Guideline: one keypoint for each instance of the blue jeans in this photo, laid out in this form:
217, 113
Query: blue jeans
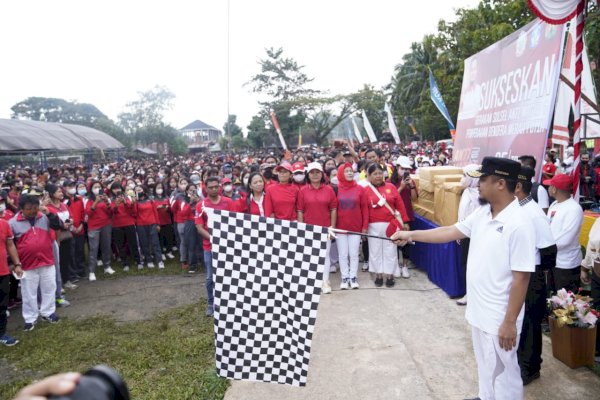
210, 284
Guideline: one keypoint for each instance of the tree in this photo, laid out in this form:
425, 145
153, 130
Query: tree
238, 142
148, 110
324, 114
372, 102
257, 132
230, 128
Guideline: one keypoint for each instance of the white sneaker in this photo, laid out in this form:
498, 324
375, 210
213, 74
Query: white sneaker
163, 257
140, 266
170, 255
109, 270
354, 283
405, 274
161, 265
99, 263
345, 284
174, 248
70, 285
92, 277
126, 268
463, 301
326, 288
365, 266
150, 265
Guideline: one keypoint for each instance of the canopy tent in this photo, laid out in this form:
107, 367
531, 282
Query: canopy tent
20, 135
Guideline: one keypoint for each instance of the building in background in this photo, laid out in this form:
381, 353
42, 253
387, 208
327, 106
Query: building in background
200, 136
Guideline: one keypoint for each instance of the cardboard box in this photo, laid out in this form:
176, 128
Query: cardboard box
428, 173
428, 204
425, 195
416, 180
446, 204
438, 185
423, 211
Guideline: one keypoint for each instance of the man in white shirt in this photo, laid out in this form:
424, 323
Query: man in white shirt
538, 192
566, 218
530, 345
501, 258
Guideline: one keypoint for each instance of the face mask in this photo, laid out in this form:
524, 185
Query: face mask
584, 161
2, 208
131, 186
96, 191
227, 188
71, 191
117, 193
298, 178
335, 181
159, 191
82, 192
246, 181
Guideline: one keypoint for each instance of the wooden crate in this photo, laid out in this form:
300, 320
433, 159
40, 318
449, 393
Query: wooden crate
573, 346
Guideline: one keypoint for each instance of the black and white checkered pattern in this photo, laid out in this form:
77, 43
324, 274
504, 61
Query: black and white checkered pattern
268, 276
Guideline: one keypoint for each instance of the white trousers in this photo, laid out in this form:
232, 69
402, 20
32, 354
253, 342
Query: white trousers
348, 248
327, 262
334, 256
43, 278
498, 369
383, 254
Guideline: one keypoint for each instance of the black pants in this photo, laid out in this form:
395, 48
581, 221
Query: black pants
464, 256
529, 352
77, 254
65, 255
596, 296
564, 278
365, 249
166, 237
125, 238
4, 288
14, 287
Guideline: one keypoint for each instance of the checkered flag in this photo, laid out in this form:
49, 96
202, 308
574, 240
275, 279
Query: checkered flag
268, 276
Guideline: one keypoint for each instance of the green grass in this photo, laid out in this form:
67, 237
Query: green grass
170, 356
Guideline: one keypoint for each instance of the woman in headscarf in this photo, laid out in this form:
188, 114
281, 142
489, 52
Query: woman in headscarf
353, 216
469, 202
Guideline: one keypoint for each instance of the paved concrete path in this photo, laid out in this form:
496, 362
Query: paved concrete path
410, 342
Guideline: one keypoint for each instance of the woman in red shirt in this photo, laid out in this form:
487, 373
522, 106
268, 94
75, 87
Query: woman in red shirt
146, 225
352, 215
549, 168
281, 197
383, 254
317, 205
254, 201
123, 224
98, 212
166, 235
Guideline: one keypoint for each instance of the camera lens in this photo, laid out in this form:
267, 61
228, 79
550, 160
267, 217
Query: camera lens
99, 383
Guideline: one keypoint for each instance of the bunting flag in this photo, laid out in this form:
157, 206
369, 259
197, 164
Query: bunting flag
299, 137
368, 128
436, 97
357, 131
278, 129
391, 123
268, 274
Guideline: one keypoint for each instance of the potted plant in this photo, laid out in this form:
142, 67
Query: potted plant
572, 328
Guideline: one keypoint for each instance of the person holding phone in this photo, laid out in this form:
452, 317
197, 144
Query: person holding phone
408, 193
124, 214
98, 212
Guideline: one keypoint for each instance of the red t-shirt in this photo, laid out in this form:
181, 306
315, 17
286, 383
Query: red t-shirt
224, 203
381, 213
549, 168
317, 204
281, 200
5, 233
164, 211
7, 215
352, 211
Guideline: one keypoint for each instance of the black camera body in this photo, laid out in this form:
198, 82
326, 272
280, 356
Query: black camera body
98, 383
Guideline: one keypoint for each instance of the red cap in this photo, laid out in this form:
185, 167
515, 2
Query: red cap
225, 180
284, 165
561, 182
298, 167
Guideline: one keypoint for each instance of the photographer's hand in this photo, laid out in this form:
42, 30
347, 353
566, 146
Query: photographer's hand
56, 385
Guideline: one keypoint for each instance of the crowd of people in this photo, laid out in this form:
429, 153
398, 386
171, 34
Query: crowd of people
69, 223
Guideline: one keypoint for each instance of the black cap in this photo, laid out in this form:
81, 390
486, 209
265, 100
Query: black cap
69, 183
526, 174
502, 167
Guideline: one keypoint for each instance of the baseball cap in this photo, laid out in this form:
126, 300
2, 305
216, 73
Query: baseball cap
284, 165
298, 167
403, 162
502, 167
561, 182
313, 166
225, 180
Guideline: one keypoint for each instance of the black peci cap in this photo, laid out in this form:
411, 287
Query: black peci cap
502, 167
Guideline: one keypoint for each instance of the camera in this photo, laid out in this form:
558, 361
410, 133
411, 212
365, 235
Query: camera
99, 383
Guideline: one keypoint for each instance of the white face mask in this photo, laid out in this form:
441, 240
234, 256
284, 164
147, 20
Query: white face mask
227, 188
159, 191
2, 207
246, 181
82, 192
71, 191
298, 178
96, 191
335, 181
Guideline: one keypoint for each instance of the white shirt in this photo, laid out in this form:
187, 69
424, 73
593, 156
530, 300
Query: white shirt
593, 245
541, 226
542, 197
498, 246
566, 219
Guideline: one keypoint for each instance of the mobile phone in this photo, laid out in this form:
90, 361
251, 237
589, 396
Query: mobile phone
406, 175
67, 221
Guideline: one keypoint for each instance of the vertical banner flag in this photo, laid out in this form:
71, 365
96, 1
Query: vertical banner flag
507, 97
391, 123
278, 129
299, 137
368, 128
357, 131
436, 97
267, 275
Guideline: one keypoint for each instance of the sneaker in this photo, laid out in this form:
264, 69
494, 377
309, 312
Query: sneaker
150, 265
8, 340
51, 319
161, 265
7, 314
390, 282
379, 282
60, 302
354, 283
192, 269
74, 280
140, 266
92, 277
527, 379
28, 326
405, 274
170, 255
210, 310
109, 270
163, 257
62, 290
463, 301
332, 269
174, 248
326, 288
70, 285
11, 304
365, 266
345, 284
99, 263
126, 268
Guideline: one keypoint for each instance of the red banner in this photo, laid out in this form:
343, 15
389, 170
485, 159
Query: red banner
508, 96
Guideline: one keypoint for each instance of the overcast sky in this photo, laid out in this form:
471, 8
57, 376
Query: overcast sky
104, 52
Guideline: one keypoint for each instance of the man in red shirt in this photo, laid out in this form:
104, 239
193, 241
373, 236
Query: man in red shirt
7, 247
218, 202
